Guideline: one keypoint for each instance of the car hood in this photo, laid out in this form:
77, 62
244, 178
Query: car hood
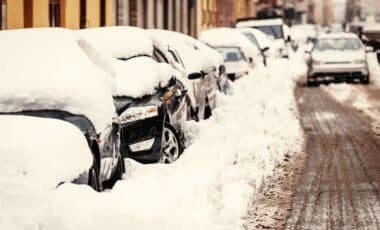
338, 56
39, 153
236, 67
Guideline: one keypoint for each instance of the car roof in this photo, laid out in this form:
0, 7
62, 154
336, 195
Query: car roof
337, 35
259, 22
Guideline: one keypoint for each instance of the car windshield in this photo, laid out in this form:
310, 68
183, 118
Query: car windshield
337, 44
252, 39
231, 54
274, 31
80, 121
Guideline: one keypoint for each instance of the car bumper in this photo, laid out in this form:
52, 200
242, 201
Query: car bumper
338, 71
141, 140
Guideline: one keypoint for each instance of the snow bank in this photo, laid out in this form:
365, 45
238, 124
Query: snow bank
46, 69
33, 167
210, 186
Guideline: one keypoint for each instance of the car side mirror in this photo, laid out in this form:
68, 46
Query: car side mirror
263, 50
250, 60
288, 39
195, 75
172, 81
369, 49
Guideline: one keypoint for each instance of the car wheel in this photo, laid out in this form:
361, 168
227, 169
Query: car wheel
118, 174
171, 147
365, 80
93, 179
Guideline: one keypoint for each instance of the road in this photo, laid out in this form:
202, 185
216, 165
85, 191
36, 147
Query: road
339, 186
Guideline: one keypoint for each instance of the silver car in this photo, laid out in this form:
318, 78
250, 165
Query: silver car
336, 57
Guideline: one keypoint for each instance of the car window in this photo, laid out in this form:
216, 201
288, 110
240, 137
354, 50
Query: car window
231, 54
337, 44
252, 39
274, 31
158, 56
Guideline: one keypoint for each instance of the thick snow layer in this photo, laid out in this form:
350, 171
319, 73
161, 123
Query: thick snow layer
36, 154
118, 41
196, 56
141, 76
46, 69
210, 186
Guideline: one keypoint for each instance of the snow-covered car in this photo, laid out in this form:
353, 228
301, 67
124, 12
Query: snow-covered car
149, 98
56, 113
202, 66
338, 56
274, 28
235, 62
303, 34
232, 37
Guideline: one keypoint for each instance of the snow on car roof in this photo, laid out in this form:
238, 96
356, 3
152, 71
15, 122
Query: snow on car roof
119, 41
259, 22
195, 55
337, 35
45, 69
127, 55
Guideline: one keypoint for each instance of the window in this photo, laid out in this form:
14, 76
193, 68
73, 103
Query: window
3, 14
28, 13
103, 12
133, 12
83, 19
54, 13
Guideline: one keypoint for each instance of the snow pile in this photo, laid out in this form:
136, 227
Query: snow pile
210, 186
46, 69
141, 76
33, 167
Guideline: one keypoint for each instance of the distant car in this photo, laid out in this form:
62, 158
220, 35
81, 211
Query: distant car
202, 66
338, 56
149, 98
274, 28
217, 37
235, 62
56, 108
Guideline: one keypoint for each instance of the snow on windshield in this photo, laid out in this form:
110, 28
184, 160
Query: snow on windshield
274, 31
231, 54
337, 44
46, 69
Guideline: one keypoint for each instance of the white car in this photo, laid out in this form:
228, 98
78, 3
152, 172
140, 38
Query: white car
275, 28
338, 56
235, 62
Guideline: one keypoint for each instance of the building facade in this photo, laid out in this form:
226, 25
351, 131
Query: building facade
72, 14
186, 16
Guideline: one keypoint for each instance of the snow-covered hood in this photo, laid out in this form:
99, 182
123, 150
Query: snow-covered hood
39, 153
236, 67
46, 69
338, 56
141, 76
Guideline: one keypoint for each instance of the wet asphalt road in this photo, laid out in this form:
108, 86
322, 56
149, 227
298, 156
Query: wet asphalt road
339, 187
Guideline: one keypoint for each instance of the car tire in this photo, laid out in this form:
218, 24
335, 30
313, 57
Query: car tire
93, 179
365, 80
171, 148
118, 174
207, 111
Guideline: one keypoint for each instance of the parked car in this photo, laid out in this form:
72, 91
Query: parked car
56, 111
338, 56
275, 28
149, 98
232, 37
235, 62
202, 66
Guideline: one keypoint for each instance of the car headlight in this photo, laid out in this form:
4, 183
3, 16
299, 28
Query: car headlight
138, 113
359, 61
317, 62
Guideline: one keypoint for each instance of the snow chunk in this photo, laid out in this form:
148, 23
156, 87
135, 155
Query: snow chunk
46, 69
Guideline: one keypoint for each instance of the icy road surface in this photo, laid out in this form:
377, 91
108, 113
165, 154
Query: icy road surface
339, 188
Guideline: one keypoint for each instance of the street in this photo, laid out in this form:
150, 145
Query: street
339, 186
